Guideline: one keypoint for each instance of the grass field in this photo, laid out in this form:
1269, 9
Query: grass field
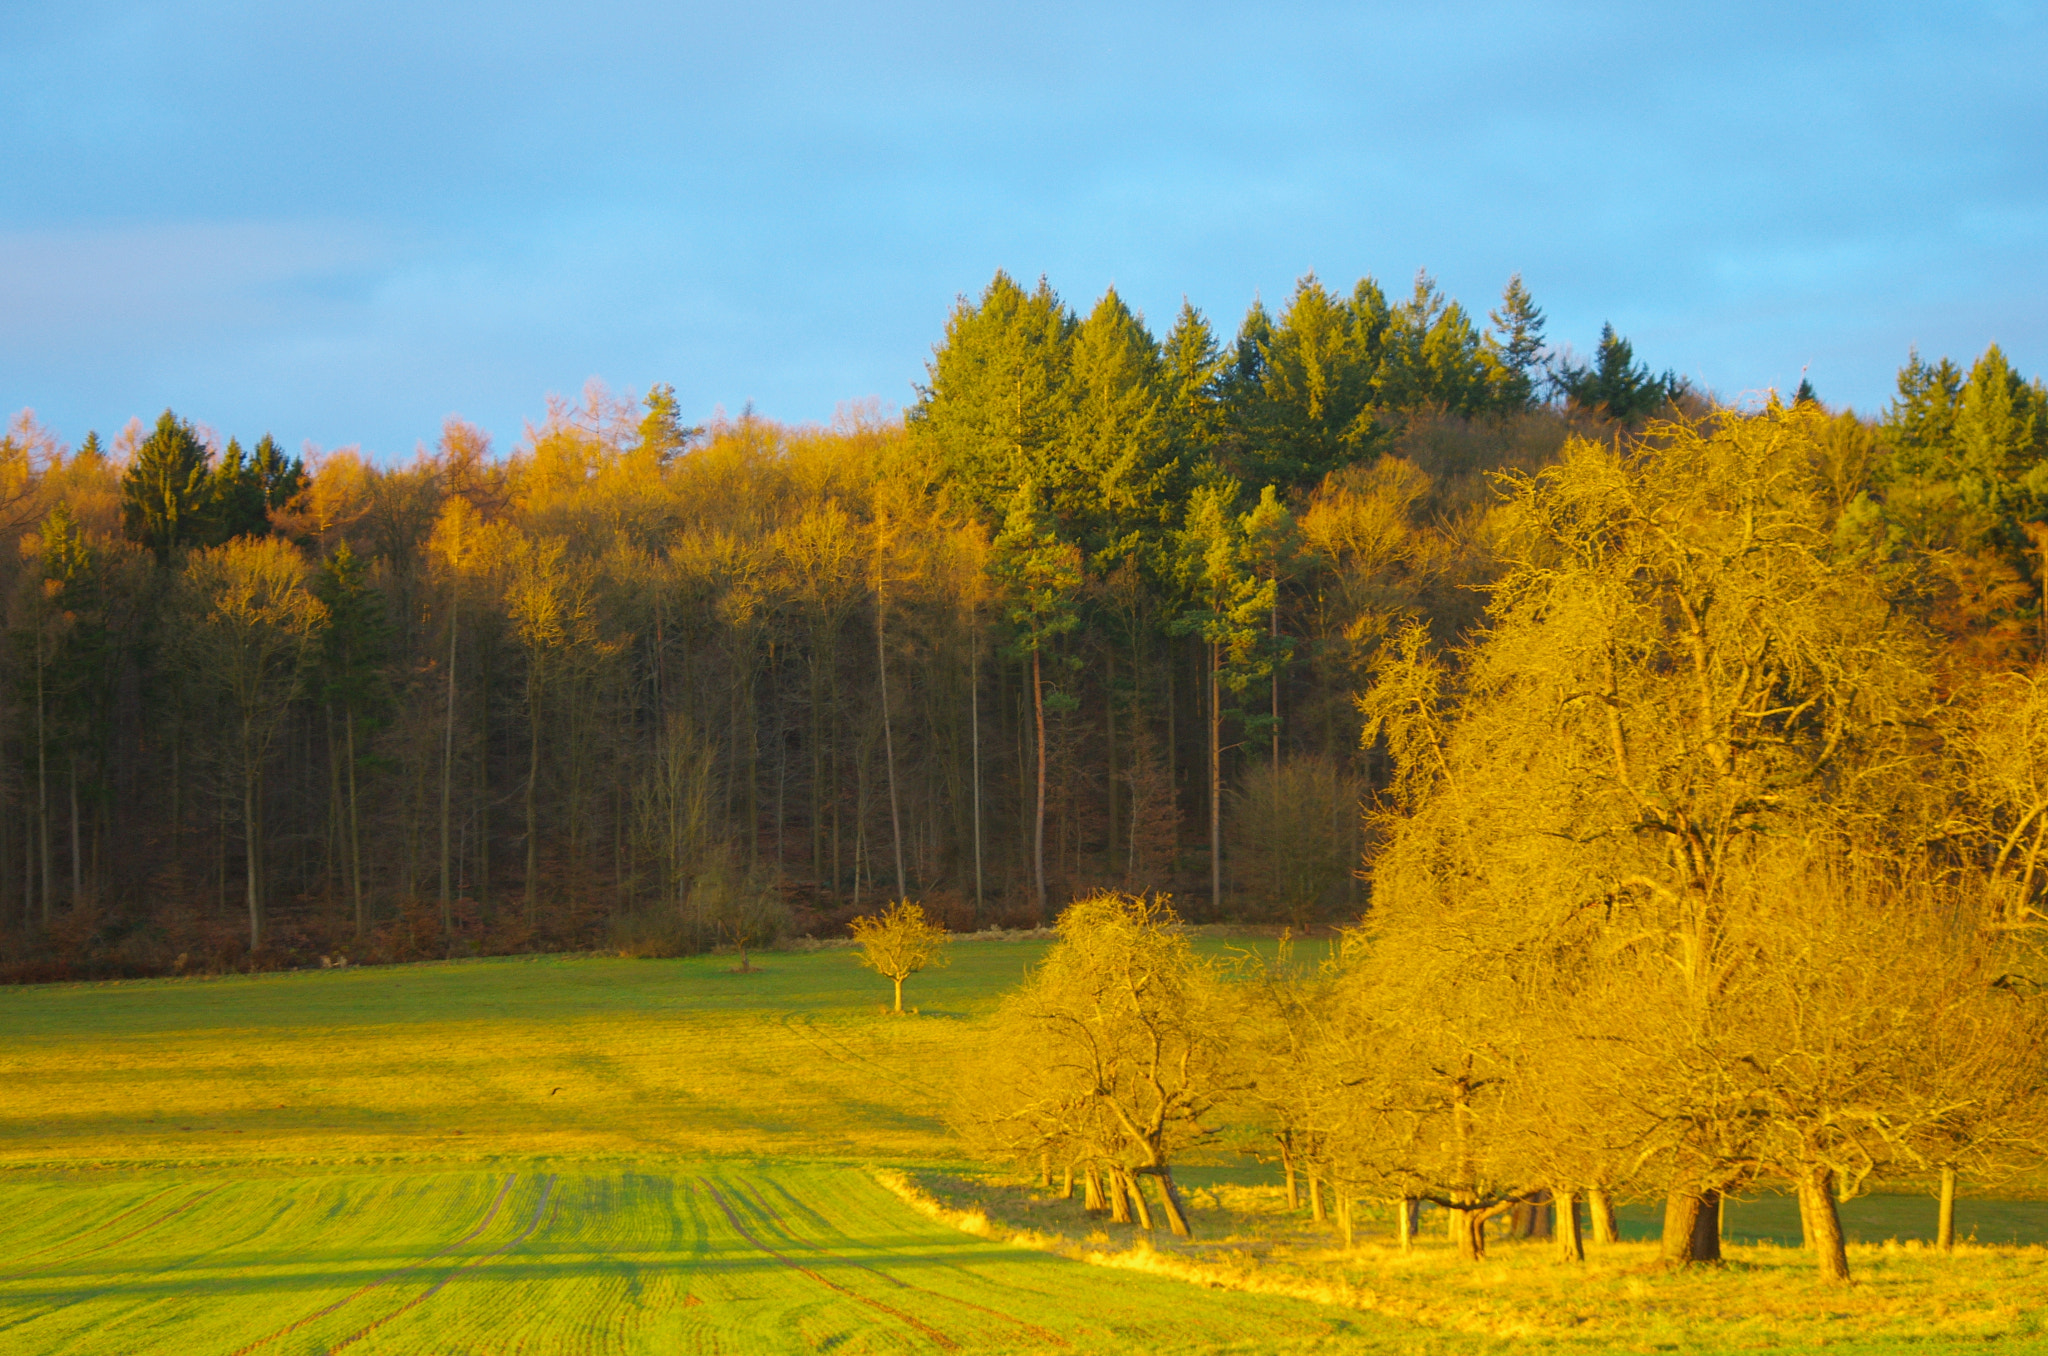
594, 1155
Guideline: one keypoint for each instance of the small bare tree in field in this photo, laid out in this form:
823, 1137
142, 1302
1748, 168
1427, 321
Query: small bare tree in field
898, 942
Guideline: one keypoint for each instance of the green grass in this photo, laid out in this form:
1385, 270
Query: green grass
578, 1056
597, 1155
710, 1257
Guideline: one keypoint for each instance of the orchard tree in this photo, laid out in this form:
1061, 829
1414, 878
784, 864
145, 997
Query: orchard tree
898, 942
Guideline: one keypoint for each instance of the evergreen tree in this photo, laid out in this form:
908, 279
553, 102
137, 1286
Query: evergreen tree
1919, 426
1115, 456
1001, 393
1308, 408
1193, 377
1518, 347
1434, 358
165, 492
1616, 385
282, 477
662, 434
240, 506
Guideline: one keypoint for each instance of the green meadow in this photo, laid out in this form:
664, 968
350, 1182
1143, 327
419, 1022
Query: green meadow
593, 1155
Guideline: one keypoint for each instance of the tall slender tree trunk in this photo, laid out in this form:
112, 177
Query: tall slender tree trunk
1945, 1222
483, 774
1109, 724
77, 844
43, 780
448, 765
1173, 743
253, 834
1038, 820
974, 717
817, 770
1275, 638
1215, 783
1404, 1222
889, 749
532, 809
355, 827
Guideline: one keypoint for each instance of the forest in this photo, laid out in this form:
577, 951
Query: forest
1214, 617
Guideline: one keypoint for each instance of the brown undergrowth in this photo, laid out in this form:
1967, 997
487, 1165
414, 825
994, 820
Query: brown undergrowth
1620, 1298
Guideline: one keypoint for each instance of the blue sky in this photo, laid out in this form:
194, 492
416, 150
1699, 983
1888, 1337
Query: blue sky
344, 222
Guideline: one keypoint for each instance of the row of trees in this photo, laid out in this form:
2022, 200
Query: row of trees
1094, 613
667, 684
1707, 862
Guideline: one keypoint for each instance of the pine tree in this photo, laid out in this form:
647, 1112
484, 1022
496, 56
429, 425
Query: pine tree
240, 506
1616, 385
1518, 346
1000, 393
165, 491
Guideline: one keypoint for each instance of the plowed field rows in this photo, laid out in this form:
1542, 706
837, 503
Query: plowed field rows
704, 1258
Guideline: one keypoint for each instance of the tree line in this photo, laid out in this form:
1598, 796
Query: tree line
1094, 613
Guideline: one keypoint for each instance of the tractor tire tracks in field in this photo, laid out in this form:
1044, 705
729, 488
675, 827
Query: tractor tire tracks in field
137, 1232
540, 1209
756, 1199
389, 1276
732, 1218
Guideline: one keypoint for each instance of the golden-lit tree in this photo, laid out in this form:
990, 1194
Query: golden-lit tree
898, 942
1114, 1051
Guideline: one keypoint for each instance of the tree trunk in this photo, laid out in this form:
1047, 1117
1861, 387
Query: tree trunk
1706, 1229
1109, 726
1215, 784
1091, 1191
1038, 821
1945, 1221
1139, 1204
1692, 1227
889, 758
77, 844
1119, 1204
1600, 1206
899, 993
1287, 1164
1344, 1221
1316, 1209
448, 763
1681, 1215
1571, 1245
1067, 1183
1275, 639
43, 782
1404, 1222
974, 717
532, 815
355, 833
1176, 1214
1468, 1232
1817, 1187
252, 833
